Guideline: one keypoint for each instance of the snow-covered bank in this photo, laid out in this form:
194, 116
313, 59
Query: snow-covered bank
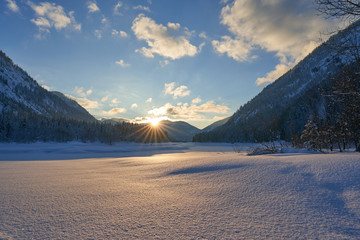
189, 194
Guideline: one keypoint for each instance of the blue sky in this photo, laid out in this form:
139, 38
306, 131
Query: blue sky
192, 60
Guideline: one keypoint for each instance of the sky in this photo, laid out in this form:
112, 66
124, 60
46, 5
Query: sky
191, 60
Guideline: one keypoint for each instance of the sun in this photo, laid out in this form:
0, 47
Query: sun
154, 121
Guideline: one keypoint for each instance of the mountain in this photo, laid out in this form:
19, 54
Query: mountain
215, 125
178, 131
113, 120
30, 113
21, 94
282, 108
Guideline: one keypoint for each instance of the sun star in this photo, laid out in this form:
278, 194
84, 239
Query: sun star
154, 122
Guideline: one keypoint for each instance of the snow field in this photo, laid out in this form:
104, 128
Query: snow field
200, 191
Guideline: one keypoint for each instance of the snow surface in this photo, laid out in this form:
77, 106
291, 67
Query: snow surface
175, 191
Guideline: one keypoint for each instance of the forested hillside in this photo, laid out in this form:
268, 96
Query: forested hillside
321, 87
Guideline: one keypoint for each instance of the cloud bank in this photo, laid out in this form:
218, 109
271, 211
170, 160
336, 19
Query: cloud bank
184, 110
287, 28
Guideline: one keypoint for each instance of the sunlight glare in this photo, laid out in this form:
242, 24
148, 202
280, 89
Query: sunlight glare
154, 121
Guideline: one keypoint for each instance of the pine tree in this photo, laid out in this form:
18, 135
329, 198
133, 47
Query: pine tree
311, 136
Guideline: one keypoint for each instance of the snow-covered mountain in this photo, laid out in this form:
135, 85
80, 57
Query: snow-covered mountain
20, 94
283, 107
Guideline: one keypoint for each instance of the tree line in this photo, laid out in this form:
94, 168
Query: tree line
31, 127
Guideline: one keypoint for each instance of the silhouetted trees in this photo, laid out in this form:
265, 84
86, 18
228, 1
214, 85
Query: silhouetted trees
349, 9
29, 127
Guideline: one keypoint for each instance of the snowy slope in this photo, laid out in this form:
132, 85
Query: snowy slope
19, 94
191, 194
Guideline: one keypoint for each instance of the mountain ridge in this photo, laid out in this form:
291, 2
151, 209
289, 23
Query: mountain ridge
21, 94
268, 114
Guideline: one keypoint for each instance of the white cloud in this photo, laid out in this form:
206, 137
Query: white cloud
146, 52
41, 22
84, 102
161, 40
181, 91
134, 105
80, 91
201, 46
52, 15
115, 111
218, 118
93, 7
12, 5
98, 34
174, 26
203, 35
123, 34
42, 34
46, 87
149, 100
196, 100
142, 8
103, 20
236, 49
114, 102
116, 8
290, 29
122, 63
74, 25
164, 62
188, 111
280, 70
104, 99
120, 33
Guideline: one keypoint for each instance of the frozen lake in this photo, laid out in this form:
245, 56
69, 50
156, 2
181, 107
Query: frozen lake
175, 191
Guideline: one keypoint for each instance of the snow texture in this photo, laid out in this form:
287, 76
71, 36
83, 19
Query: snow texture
175, 191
